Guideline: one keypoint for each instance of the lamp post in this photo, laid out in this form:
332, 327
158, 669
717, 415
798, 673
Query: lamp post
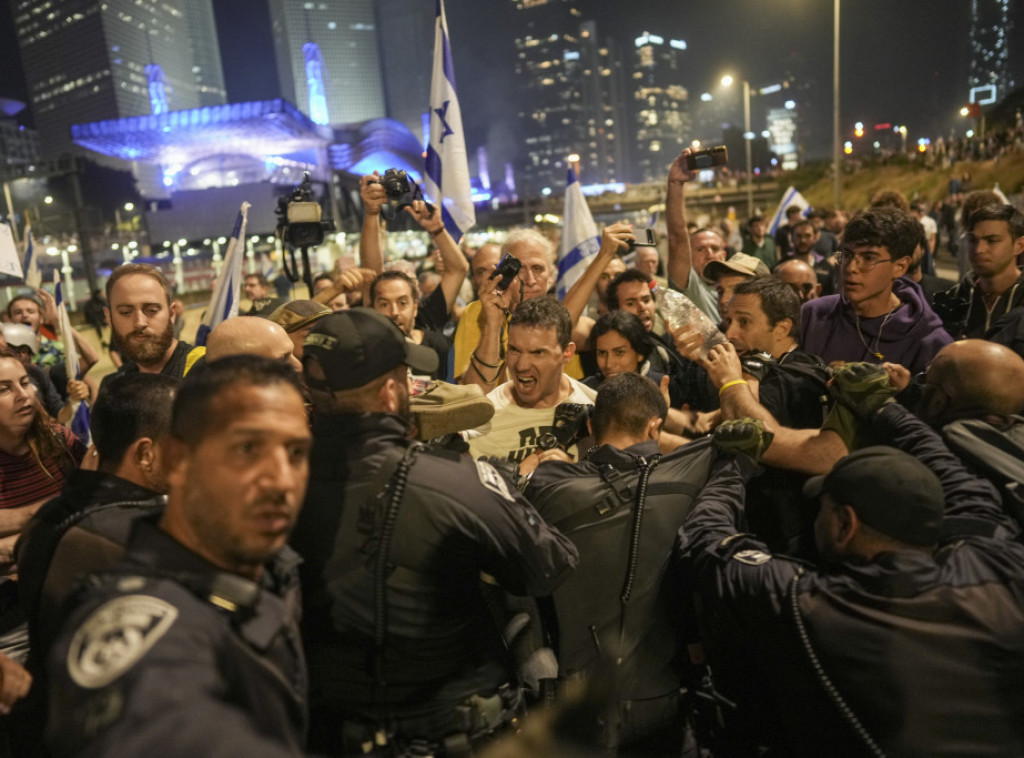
747, 137
836, 155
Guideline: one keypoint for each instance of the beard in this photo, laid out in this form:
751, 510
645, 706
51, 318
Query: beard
145, 353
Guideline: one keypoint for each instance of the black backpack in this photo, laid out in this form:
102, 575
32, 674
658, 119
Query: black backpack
995, 453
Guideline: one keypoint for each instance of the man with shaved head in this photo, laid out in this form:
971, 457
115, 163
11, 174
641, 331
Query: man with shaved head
245, 335
800, 277
973, 379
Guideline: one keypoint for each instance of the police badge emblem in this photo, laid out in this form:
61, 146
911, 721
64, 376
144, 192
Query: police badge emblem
116, 636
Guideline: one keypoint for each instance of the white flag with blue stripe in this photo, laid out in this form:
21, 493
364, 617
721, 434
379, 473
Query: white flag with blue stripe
446, 179
224, 298
580, 238
80, 415
33, 276
792, 197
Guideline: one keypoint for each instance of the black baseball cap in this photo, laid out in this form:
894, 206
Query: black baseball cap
891, 491
356, 346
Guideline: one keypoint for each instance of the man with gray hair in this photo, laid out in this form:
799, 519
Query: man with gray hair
481, 337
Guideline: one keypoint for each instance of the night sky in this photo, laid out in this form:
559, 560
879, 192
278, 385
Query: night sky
902, 62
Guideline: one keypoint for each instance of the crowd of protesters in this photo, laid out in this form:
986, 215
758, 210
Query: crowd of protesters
448, 513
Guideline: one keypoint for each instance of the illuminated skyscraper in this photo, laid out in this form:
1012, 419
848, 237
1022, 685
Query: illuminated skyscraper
345, 32
661, 116
571, 96
989, 76
86, 60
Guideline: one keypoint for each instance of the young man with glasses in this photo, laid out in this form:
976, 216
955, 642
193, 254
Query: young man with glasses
877, 316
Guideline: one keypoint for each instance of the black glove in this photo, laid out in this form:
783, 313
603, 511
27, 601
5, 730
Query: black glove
862, 387
744, 435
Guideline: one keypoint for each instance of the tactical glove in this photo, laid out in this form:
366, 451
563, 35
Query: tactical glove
745, 435
863, 388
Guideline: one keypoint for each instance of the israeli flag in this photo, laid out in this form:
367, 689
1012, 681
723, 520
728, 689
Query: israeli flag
446, 179
792, 197
224, 298
33, 276
80, 418
580, 238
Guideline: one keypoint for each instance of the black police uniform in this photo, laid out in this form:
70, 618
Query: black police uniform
625, 603
82, 531
170, 656
927, 651
402, 646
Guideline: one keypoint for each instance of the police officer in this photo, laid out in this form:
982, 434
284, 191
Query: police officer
191, 646
622, 507
395, 535
908, 638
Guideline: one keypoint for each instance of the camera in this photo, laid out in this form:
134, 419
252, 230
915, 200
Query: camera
396, 184
402, 190
507, 269
707, 158
299, 221
645, 238
569, 428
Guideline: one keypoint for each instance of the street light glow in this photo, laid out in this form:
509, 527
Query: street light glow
727, 81
48, 199
129, 207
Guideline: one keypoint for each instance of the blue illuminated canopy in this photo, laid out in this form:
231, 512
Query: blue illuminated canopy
259, 128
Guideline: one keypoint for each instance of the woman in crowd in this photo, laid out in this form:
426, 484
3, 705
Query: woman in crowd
621, 345
36, 453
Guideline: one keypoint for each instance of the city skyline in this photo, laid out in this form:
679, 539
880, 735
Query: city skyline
902, 63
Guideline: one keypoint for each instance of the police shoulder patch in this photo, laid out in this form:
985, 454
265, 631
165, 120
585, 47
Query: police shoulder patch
752, 557
492, 480
115, 637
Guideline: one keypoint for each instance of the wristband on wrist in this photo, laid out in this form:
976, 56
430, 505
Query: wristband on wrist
437, 232
484, 363
733, 383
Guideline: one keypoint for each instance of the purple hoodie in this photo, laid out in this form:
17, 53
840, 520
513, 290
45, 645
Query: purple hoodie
912, 335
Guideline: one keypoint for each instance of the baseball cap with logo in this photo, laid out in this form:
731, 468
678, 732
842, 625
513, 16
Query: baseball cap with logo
356, 346
891, 491
739, 264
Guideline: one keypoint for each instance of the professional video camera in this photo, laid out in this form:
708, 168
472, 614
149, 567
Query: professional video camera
570, 427
401, 190
299, 221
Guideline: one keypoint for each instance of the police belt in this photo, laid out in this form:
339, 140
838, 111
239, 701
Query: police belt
474, 719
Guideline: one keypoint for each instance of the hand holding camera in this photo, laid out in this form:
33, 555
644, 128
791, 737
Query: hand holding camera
372, 193
401, 191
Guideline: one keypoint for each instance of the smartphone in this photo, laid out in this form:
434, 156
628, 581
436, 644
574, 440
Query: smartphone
644, 238
707, 158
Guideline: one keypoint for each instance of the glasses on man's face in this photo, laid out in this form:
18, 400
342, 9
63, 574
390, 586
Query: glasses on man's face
865, 261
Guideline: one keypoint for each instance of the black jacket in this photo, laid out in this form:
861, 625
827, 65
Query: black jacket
927, 650
457, 519
82, 531
594, 502
168, 655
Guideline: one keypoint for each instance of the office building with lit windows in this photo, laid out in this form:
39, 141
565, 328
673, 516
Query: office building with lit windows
328, 58
990, 76
87, 60
571, 97
660, 105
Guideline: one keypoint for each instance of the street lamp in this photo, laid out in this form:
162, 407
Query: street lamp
836, 176
747, 137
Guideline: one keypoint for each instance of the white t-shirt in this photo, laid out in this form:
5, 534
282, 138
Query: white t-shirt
930, 227
513, 431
